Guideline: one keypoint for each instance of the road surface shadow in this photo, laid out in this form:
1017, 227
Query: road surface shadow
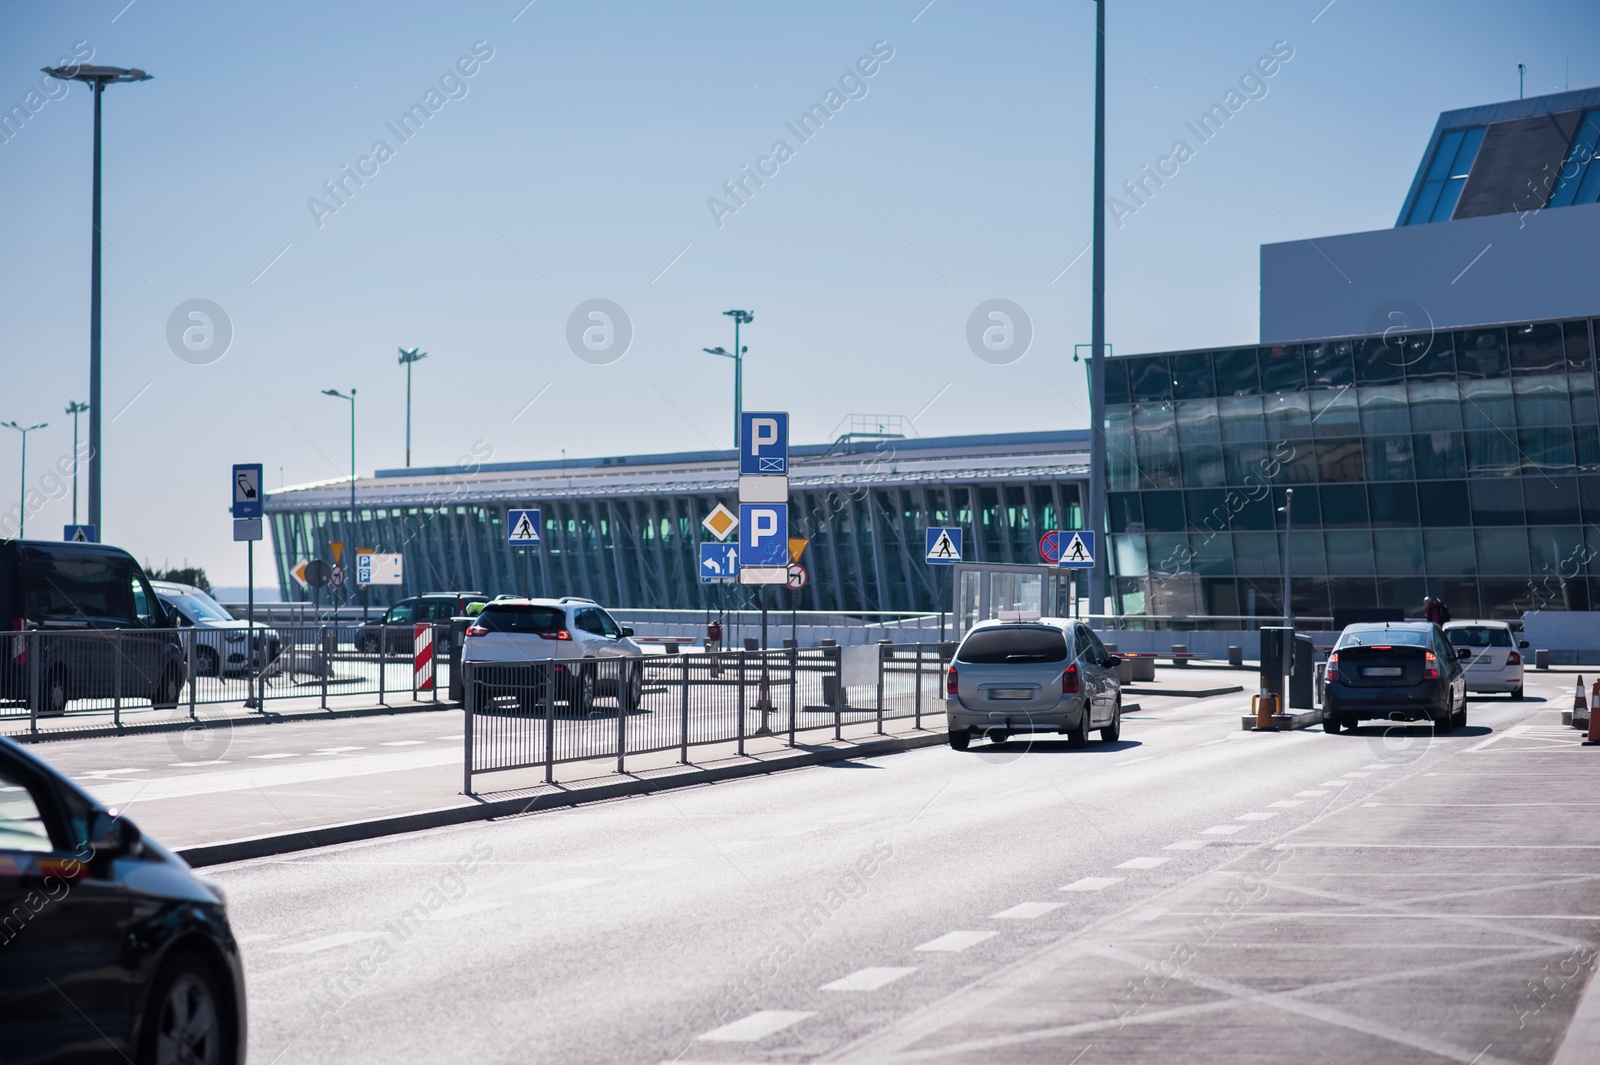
1022, 745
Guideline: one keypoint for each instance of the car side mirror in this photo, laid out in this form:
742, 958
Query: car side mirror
1463, 652
1522, 644
1112, 661
114, 837
626, 631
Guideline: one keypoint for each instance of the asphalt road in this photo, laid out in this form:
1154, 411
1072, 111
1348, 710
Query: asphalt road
1192, 893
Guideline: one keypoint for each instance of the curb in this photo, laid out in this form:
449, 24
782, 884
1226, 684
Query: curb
263, 718
238, 850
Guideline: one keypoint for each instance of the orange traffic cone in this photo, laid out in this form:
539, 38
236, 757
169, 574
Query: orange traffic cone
1594, 731
1580, 706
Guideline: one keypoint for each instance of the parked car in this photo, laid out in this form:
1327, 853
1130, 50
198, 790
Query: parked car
113, 950
1495, 664
219, 645
1045, 675
576, 634
1402, 671
91, 616
394, 630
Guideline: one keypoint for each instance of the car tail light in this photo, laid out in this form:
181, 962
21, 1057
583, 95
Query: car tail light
1069, 680
1331, 674
951, 685
1431, 670
477, 630
559, 634
1514, 658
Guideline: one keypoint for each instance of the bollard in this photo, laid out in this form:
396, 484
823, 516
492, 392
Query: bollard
1235, 656
1177, 650
1541, 659
1264, 705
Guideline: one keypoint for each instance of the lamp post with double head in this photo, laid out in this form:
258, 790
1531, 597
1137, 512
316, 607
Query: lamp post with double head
22, 487
737, 355
75, 408
407, 357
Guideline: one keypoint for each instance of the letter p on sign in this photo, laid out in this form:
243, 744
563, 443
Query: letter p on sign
763, 534
763, 434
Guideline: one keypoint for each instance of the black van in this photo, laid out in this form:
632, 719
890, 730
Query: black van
83, 623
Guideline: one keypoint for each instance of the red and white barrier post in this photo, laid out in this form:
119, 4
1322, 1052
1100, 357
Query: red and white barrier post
422, 657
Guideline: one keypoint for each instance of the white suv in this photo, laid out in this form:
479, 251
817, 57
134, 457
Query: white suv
575, 633
1495, 664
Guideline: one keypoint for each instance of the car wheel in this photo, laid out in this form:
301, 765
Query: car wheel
187, 1021
168, 688
1113, 732
207, 663
1516, 693
1460, 718
1079, 736
1331, 725
1446, 722
57, 692
960, 740
581, 690
633, 695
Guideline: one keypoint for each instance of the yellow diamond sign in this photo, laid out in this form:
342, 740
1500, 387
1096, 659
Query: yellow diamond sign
720, 522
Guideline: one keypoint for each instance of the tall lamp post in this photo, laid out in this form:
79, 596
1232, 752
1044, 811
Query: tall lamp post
75, 408
737, 355
97, 78
407, 357
1097, 328
336, 394
22, 488
1288, 522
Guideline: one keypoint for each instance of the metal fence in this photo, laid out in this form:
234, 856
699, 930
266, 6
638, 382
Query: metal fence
542, 714
65, 679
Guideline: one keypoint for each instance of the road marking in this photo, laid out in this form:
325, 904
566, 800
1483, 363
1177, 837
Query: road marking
1224, 830
1133, 761
337, 939
868, 979
1254, 816
102, 773
456, 738
1208, 743
1144, 863
1145, 915
1026, 911
570, 884
1514, 730
1378, 765
258, 937
337, 750
1310, 794
1358, 774
213, 761
1092, 883
1335, 783
1286, 804
399, 743
281, 754
1186, 845
465, 909
954, 941
757, 1026
1370, 805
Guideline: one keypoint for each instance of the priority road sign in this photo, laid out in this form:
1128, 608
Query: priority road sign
764, 443
78, 534
720, 522
943, 546
247, 490
522, 528
763, 534
1050, 546
718, 563
1078, 550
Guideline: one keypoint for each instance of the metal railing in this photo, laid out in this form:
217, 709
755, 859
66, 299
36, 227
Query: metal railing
542, 714
62, 679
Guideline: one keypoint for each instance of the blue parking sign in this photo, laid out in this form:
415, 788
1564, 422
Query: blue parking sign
763, 534
764, 443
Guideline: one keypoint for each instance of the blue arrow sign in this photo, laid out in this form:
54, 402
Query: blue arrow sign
718, 563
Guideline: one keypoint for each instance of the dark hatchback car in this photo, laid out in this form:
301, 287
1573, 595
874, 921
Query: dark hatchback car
1404, 671
394, 630
111, 949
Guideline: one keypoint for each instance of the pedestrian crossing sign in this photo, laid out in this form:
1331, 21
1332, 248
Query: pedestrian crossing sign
523, 526
943, 546
1078, 552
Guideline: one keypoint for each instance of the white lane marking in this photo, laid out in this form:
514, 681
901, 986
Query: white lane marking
185, 785
1255, 816
1027, 911
1514, 730
1186, 845
1092, 883
869, 979
337, 750
1208, 743
337, 939
259, 937
570, 884
463, 909
1358, 774
212, 761
1144, 863
1146, 915
757, 1026
1313, 794
1133, 761
652, 866
457, 738
1335, 783
954, 941
281, 754
1224, 830
1285, 804
1370, 805
401, 743
101, 774
1378, 765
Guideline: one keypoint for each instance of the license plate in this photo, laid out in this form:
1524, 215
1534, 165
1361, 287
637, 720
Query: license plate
1011, 693
1382, 671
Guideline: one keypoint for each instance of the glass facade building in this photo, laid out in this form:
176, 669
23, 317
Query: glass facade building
1463, 464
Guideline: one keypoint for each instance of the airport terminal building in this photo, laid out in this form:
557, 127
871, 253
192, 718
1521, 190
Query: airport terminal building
1427, 392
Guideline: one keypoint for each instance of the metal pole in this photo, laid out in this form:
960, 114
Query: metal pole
683, 736
250, 621
116, 707
466, 753
549, 722
1288, 520
622, 723
1097, 335
188, 656
94, 333
22, 491
408, 414
74, 463
794, 687
738, 383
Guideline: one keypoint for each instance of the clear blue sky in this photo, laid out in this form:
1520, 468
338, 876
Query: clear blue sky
578, 165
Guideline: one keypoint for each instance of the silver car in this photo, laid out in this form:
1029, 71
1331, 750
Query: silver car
1044, 675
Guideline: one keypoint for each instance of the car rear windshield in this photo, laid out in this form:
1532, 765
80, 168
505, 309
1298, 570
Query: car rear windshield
498, 618
1385, 638
1479, 636
1003, 644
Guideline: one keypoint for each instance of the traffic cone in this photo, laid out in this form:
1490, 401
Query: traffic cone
1594, 731
1580, 706
1266, 704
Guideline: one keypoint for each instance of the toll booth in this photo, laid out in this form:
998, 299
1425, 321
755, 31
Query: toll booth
984, 589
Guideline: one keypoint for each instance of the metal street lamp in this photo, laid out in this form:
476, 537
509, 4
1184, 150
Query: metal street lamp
407, 357
22, 488
737, 355
336, 394
75, 408
1288, 521
97, 78
1097, 326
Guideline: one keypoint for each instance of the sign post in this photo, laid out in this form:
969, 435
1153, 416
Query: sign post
247, 527
942, 547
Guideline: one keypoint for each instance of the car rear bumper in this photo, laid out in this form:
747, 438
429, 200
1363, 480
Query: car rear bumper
1495, 680
1061, 718
1414, 702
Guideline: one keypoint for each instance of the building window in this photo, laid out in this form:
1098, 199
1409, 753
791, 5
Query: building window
1580, 177
1441, 188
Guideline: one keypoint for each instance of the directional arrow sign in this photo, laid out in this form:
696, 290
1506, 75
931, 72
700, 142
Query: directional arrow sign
718, 563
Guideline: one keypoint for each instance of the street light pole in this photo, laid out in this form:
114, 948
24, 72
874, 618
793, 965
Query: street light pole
407, 357
1288, 522
739, 318
1097, 327
97, 78
22, 487
75, 408
334, 392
